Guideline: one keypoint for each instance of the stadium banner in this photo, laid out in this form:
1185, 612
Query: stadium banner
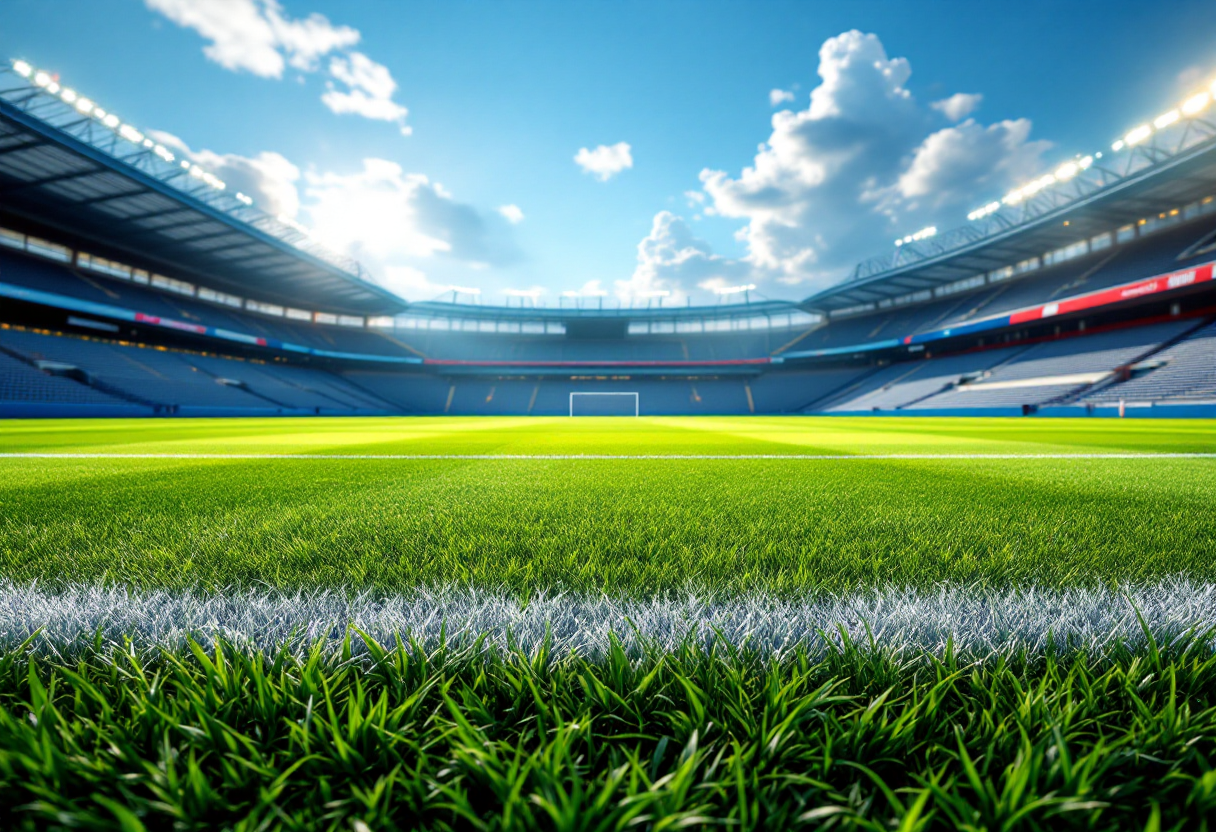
1091, 300
1128, 291
104, 310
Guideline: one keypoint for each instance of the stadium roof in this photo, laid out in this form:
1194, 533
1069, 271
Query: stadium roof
67, 164
572, 312
1158, 172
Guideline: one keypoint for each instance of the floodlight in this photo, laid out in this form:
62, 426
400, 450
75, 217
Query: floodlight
163, 152
110, 121
52, 88
1117, 146
1138, 135
1013, 197
131, 134
84, 106
148, 143
42, 78
99, 113
242, 198
1067, 171
22, 68
68, 95
1196, 103
186, 165
1085, 163
1166, 119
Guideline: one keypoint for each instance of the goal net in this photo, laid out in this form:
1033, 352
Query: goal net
603, 404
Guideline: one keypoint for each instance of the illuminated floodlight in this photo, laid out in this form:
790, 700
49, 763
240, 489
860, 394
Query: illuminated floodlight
1117, 146
1138, 135
84, 106
163, 152
919, 235
1166, 119
1085, 163
42, 78
980, 213
69, 95
53, 88
131, 134
186, 165
148, 143
242, 198
733, 290
1196, 103
23, 69
1067, 171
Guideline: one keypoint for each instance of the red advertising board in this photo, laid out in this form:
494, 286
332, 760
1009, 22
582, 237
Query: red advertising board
1128, 291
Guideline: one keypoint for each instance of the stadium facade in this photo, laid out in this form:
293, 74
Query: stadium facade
135, 283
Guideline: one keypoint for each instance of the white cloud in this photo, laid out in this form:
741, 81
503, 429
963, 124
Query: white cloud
383, 215
370, 89
511, 213
778, 97
834, 183
952, 166
958, 106
268, 178
672, 258
256, 36
605, 161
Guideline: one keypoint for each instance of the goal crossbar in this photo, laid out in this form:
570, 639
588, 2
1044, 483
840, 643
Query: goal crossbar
634, 395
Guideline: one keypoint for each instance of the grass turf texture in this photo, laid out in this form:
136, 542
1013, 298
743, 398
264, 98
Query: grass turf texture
633, 527
215, 738
220, 739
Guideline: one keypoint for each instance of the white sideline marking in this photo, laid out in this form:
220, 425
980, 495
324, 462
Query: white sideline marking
805, 457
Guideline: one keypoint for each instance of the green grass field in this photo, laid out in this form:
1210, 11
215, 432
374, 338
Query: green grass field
880, 730
635, 526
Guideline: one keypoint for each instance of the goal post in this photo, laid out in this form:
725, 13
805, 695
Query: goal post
604, 404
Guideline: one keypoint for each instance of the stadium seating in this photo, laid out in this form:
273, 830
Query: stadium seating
24, 382
1059, 366
174, 380
1182, 372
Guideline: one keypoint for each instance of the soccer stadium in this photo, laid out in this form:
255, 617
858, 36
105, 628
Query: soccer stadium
929, 545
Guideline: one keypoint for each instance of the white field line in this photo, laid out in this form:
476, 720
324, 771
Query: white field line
974, 622
792, 456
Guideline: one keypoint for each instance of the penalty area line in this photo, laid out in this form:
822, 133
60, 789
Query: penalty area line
580, 457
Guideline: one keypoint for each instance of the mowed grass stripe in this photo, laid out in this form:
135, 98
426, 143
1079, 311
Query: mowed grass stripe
630, 527
783, 457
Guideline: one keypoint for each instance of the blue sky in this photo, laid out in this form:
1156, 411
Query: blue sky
502, 96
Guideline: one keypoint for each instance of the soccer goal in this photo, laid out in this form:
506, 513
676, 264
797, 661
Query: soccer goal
603, 404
